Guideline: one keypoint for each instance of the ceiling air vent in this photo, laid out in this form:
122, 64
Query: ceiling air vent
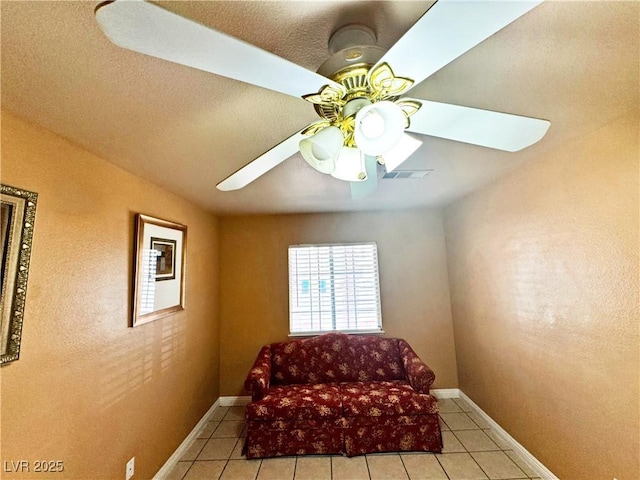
401, 174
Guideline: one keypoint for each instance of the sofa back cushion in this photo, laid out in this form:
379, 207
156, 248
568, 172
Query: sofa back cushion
375, 359
321, 359
336, 357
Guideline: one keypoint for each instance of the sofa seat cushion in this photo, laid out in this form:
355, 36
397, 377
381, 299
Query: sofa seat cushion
375, 399
297, 402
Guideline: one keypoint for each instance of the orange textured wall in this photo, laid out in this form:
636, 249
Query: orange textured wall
543, 267
87, 390
254, 295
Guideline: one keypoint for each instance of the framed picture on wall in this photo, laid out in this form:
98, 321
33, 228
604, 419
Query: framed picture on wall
17, 218
159, 269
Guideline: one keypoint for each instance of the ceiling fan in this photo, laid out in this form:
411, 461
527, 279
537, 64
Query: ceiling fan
364, 115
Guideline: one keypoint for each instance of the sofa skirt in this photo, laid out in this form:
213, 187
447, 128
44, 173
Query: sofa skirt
283, 438
419, 433
351, 436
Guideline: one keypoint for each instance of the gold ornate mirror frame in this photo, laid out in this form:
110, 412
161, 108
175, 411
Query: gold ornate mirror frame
18, 213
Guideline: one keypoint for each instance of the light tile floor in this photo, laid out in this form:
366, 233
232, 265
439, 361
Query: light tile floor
471, 451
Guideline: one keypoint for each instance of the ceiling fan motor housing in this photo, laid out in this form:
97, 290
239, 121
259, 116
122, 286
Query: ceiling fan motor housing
354, 53
351, 35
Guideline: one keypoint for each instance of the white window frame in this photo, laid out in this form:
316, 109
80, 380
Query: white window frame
307, 307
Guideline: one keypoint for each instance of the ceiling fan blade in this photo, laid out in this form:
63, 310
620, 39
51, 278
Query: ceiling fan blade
446, 31
262, 164
502, 131
402, 150
146, 28
362, 189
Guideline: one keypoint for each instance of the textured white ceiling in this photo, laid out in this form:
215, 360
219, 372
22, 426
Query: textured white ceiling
573, 63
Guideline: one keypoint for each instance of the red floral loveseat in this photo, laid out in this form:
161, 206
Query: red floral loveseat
340, 394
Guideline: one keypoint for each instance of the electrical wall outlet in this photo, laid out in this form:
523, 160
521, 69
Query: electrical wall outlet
131, 464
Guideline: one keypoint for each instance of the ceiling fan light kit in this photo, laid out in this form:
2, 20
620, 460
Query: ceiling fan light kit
375, 129
350, 166
363, 113
322, 149
379, 127
364, 107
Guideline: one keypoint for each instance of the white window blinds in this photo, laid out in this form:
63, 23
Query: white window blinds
334, 287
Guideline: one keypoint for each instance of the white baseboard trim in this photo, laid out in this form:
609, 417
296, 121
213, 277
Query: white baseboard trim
177, 455
234, 401
445, 392
531, 461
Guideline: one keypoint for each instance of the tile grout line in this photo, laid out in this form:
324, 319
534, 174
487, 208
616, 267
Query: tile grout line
479, 466
404, 466
474, 459
366, 462
200, 450
442, 467
223, 469
465, 451
258, 472
187, 471
469, 451
481, 451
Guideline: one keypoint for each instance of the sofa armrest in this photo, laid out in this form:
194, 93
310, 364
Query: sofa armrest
257, 382
418, 374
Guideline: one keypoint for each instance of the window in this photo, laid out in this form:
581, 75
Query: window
334, 287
